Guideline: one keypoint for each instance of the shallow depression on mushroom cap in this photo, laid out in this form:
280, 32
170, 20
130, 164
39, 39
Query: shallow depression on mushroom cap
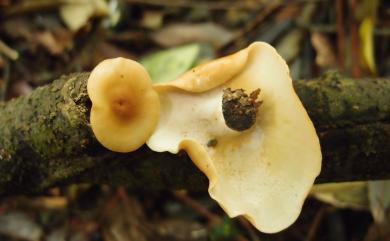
125, 107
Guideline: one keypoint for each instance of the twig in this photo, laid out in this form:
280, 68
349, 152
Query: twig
249, 228
382, 31
136, 212
126, 201
13, 55
340, 34
315, 224
321, 28
355, 43
263, 14
4, 86
31, 6
213, 5
8, 51
331, 29
199, 208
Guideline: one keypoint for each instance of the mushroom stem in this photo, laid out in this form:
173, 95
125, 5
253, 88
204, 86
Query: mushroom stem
240, 110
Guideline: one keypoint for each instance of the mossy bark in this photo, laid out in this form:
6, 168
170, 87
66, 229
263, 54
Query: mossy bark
46, 139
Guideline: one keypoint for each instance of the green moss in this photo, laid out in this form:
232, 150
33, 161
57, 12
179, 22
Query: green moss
336, 101
46, 138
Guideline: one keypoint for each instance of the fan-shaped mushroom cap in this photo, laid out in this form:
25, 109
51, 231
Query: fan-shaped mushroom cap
263, 173
125, 108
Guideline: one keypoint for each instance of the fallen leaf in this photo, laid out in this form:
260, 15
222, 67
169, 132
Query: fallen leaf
96, 51
181, 230
19, 88
325, 55
21, 226
50, 203
124, 220
171, 63
379, 196
223, 231
343, 195
152, 19
366, 32
8, 51
289, 46
57, 235
178, 34
378, 232
4, 2
288, 12
19, 28
48, 40
76, 14
55, 39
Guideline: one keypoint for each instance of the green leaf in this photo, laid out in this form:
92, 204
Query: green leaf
171, 63
223, 231
343, 195
366, 31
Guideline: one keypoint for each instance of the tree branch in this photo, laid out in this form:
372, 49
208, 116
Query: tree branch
46, 139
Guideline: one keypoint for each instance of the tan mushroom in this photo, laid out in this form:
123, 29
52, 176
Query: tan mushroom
125, 107
264, 171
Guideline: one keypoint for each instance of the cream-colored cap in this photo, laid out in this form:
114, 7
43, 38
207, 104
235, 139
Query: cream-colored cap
125, 107
263, 173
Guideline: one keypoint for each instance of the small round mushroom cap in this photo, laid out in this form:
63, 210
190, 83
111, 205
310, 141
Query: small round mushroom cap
263, 173
125, 107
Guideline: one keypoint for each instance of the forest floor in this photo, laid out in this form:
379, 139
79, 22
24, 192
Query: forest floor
43, 39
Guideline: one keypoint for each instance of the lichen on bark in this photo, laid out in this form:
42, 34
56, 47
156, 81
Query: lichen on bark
40, 129
334, 101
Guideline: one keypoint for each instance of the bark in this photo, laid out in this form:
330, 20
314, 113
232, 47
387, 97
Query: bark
46, 139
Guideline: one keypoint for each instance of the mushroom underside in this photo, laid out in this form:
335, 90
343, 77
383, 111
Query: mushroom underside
263, 173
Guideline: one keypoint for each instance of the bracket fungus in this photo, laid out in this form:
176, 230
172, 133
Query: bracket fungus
263, 171
125, 107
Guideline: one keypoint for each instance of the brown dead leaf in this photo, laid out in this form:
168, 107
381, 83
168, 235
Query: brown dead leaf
76, 14
290, 45
47, 40
181, 230
178, 34
20, 226
19, 88
18, 28
4, 2
325, 53
57, 235
8, 51
83, 227
96, 51
50, 203
124, 220
56, 39
288, 12
378, 232
152, 19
